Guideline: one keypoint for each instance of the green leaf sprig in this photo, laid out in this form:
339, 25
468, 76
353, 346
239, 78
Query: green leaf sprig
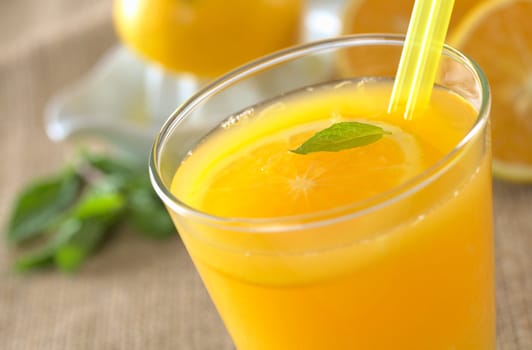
341, 136
72, 213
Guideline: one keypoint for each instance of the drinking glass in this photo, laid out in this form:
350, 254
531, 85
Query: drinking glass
408, 269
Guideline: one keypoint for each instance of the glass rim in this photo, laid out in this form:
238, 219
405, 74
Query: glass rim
324, 217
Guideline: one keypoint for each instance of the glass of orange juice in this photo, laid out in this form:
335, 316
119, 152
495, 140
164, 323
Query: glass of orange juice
387, 245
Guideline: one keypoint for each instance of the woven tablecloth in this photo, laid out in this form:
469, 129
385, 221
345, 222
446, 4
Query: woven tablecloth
137, 293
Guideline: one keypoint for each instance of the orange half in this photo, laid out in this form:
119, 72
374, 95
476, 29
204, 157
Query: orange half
383, 16
498, 36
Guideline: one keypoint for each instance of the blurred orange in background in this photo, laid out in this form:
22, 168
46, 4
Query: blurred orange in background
384, 16
497, 34
207, 38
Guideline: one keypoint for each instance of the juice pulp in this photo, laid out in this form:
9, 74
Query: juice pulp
207, 37
412, 270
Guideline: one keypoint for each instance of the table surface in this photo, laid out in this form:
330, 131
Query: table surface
137, 293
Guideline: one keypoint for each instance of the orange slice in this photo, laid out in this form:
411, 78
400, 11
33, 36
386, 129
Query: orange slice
498, 35
246, 168
265, 179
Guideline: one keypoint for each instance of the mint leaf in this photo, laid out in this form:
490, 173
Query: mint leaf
341, 136
41, 204
44, 256
82, 230
118, 168
90, 234
100, 208
102, 200
148, 215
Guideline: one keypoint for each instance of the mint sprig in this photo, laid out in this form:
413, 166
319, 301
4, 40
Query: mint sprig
341, 136
72, 213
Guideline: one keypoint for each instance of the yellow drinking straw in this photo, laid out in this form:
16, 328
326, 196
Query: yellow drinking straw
420, 56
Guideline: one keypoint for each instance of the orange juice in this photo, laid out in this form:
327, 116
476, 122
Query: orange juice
207, 37
384, 246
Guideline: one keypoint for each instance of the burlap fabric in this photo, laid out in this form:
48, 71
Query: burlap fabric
137, 293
